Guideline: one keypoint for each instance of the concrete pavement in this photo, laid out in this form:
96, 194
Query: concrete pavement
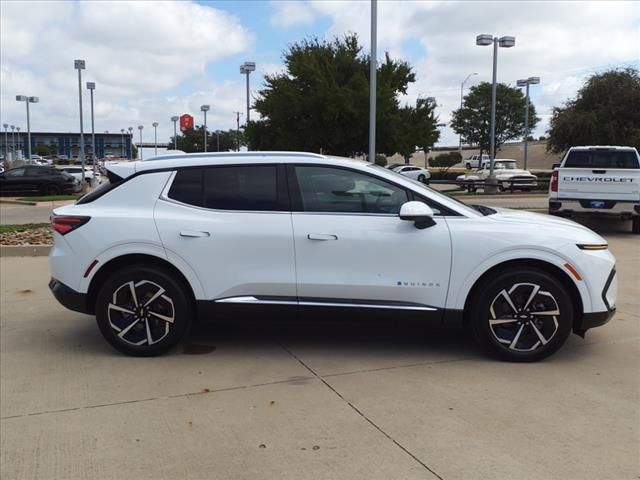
250, 398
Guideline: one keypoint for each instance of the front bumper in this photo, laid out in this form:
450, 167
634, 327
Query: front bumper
68, 297
597, 319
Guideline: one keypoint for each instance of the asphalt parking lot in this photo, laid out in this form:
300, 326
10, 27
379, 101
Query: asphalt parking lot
245, 398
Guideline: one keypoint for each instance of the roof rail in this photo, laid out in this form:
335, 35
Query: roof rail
234, 154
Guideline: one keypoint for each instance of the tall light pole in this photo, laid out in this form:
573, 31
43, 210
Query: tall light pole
217, 140
122, 142
204, 109
28, 100
175, 132
13, 143
246, 68
80, 65
525, 83
504, 42
20, 144
373, 81
155, 138
6, 141
140, 127
461, 104
130, 143
91, 86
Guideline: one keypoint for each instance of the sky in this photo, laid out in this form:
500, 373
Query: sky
151, 60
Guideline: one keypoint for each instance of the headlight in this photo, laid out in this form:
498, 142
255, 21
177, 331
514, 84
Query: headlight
593, 246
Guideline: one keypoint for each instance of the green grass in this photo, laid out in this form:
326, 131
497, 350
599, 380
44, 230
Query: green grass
21, 228
48, 198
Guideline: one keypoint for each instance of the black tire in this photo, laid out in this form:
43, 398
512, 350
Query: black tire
52, 190
471, 188
164, 335
518, 283
421, 178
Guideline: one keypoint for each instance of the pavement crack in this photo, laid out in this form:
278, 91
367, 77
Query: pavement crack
359, 412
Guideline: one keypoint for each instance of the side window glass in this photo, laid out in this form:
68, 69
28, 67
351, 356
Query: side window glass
187, 186
251, 187
326, 189
18, 172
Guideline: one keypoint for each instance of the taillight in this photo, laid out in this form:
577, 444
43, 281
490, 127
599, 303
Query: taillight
554, 181
64, 224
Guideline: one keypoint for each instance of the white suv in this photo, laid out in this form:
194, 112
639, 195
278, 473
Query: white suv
184, 235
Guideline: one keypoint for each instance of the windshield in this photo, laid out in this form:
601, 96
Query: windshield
419, 186
504, 165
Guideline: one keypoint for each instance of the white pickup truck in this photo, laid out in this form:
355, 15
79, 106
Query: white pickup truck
597, 181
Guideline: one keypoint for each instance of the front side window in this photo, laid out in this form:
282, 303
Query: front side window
233, 187
18, 172
337, 190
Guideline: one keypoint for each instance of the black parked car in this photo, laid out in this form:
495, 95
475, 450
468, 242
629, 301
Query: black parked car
37, 180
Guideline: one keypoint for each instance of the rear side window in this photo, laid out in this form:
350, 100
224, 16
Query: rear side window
234, 187
601, 159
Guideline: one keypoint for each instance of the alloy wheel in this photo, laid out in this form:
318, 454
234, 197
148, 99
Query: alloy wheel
524, 318
141, 313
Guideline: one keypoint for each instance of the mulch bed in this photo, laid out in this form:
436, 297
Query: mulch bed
35, 236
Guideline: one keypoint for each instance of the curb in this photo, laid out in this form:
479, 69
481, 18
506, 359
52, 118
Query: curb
17, 202
24, 250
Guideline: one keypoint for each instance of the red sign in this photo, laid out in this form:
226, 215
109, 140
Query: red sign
186, 122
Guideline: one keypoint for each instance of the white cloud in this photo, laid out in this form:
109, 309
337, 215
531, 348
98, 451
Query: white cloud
291, 13
136, 52
562, 42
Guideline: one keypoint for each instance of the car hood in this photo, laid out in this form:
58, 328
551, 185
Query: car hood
513, 172
556, 224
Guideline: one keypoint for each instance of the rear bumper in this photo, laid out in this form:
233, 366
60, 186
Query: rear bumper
68, 297
571, 208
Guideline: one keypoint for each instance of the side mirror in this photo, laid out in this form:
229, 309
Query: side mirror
419, 213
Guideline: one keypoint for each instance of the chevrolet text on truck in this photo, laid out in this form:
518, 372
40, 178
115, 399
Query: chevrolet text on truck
598, 180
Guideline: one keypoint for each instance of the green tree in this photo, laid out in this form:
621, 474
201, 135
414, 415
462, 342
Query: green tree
606, 111
192, 140
44, 150
321, 103
473, 120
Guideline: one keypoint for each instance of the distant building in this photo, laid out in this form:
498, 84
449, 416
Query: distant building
69, 143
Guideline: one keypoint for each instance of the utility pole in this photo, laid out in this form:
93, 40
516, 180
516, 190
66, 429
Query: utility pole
238, 130
372, 81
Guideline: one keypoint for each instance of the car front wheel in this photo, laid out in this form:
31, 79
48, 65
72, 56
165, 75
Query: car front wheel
142, 310
522, 315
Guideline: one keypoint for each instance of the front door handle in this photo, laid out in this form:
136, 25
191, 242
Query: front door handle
322, 236
193, 233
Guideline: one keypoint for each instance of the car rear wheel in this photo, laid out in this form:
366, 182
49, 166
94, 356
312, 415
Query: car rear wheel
422, 178
143, 311
522, 315
635, 225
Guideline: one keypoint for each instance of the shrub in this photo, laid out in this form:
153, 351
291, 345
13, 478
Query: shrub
445, 161
381, 160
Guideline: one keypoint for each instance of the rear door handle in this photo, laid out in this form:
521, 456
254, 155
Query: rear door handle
193, 233
322, 236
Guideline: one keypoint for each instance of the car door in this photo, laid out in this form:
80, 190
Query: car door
353, 248
13, 181
232, 225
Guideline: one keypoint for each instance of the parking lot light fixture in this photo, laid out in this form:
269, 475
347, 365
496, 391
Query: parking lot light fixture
6, 141
461, 105
484, 39
175, 119
204, 109
91, 86
80, 65
130, 156
140, 127
28, 100
155, 138
20, 144
246, 68
525, 83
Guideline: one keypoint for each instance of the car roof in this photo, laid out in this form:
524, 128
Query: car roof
602, 147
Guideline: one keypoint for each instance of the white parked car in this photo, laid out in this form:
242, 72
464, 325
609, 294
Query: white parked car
76, 172
241, 233
597, 181
476, 161
509, 177
417, 173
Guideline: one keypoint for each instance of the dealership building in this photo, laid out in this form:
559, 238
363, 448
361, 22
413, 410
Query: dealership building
112, 144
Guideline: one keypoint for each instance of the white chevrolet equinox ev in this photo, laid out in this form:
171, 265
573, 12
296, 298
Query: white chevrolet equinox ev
178, 237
